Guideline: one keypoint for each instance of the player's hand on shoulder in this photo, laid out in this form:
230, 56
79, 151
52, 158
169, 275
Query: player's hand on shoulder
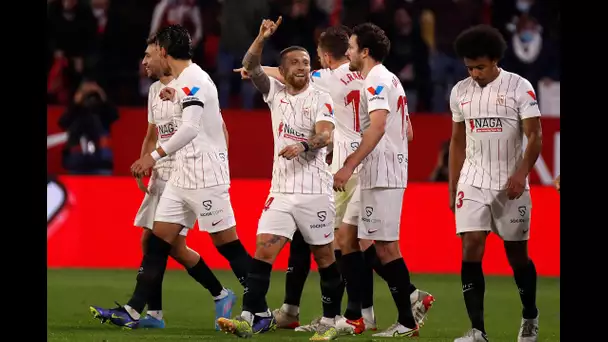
291, 151
243, 72
269, 27
167, 94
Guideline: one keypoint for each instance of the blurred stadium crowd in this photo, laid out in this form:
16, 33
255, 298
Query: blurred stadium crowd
98, 44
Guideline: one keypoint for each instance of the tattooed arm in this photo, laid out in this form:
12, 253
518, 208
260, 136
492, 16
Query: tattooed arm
251, 63
252, 59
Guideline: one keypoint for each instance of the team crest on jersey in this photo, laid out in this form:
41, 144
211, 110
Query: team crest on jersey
190, 92
501, 99
485, 125
306, 112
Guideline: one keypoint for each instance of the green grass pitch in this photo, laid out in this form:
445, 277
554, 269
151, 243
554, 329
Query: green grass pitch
189, 315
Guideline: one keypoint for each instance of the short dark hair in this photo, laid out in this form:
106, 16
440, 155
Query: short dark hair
480, 41
175, 39
334, 41
374, 39
291, 49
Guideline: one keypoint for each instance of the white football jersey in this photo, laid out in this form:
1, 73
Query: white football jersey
344, 87
293, 120
203, 162
386, 165
492, 116
161, 113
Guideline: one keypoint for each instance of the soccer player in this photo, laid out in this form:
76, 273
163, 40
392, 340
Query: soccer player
382, 153
344, 87
489, 191
300, 197
198, 185
160, 128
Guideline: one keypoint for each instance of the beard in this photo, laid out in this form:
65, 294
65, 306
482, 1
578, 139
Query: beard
353, 66
297, 82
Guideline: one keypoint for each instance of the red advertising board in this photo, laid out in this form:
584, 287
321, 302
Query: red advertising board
251, 143
93, 227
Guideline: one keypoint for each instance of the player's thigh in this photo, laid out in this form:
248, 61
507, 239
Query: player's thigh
347, 209
380, 214
173, 208
472, 212
276, 218
511, 217
314, 216
212, 207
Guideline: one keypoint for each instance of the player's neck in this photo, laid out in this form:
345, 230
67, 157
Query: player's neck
166, 79
336, 64
293, 91
178, 65
368, 64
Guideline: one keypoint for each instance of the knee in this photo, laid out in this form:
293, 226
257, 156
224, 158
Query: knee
224, 237
347, 239
473, 246
324, 255
387, 251
517, 253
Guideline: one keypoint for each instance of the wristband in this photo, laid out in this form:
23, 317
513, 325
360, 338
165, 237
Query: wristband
155, 155
305, 144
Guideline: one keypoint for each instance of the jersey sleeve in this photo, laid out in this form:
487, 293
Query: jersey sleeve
457, 115
376, 94
325, 109
191, 92
150, 101
320, 79
275, 87
525, 100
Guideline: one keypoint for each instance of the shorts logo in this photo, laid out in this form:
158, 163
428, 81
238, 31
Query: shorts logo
354, 145
400, 158
322, 215
222, 156
369, 211
207, 205
522, 210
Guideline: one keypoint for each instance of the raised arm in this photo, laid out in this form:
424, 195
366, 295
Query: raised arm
253, 57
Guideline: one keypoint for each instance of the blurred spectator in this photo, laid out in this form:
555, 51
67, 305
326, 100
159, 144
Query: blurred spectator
408, 59
87, 121
441, 173
71, 33
240, 22
182, 12
172, 12
530, 55
450, 18
303, 17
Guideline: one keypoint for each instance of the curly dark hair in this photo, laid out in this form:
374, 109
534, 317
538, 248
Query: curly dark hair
334, 41
175, 39
374, 39
480, 41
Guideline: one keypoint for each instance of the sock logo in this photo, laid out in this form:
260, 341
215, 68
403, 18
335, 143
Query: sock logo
467, 287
